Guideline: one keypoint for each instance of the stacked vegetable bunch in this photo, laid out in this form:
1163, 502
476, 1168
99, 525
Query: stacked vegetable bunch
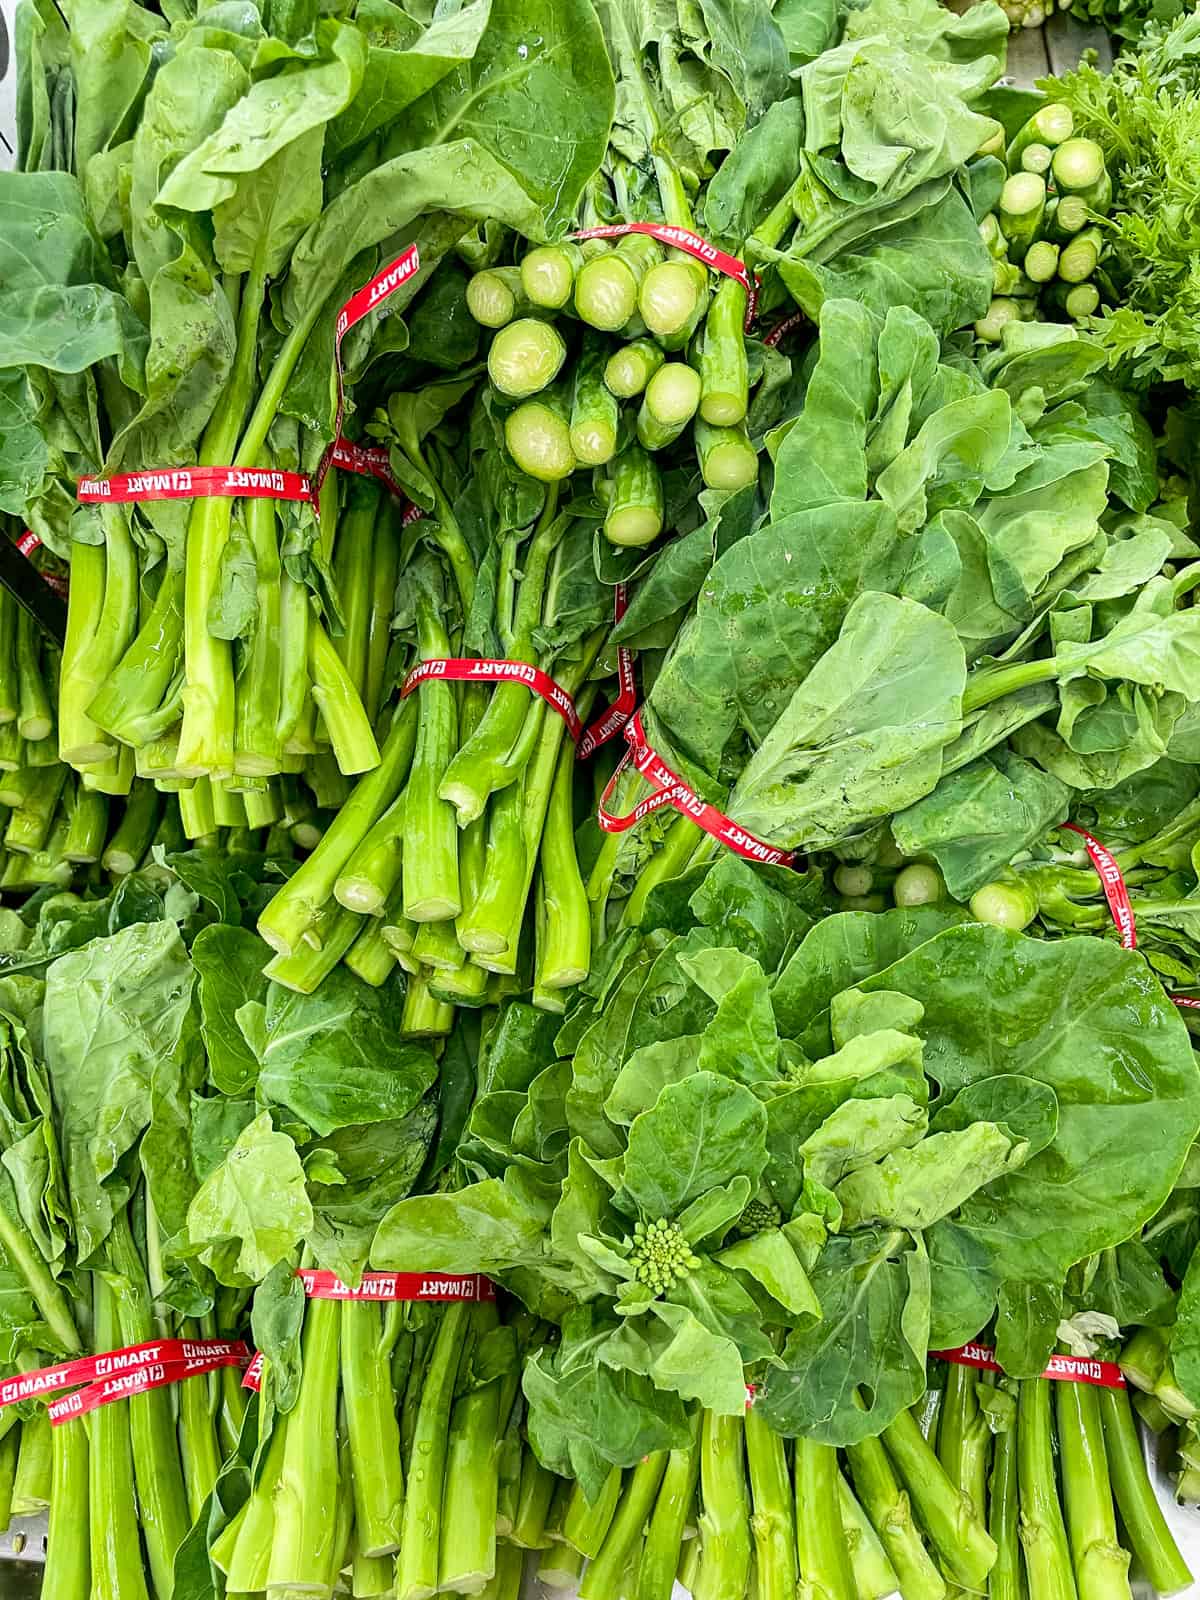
901, 600
1043, 235
734, 1164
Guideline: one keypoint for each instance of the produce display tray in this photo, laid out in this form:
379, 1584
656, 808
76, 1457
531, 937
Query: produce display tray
1033, 54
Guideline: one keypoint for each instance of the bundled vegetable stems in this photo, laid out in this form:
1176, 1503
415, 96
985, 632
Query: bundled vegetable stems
400, 1463
1043, 234
464, 832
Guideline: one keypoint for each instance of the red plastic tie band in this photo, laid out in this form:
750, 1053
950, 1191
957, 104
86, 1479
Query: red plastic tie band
670, 790
360, 304
368, 461
118, 1374
1113, 884
27, 544
253, 1378
1067, 1369
124, 1385
782, 329
88, 1369
195, 483
610, 722
692, 244
385, 1286
467, 669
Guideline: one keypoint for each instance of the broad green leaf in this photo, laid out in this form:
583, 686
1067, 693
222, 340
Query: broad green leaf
980, 817
378, 1165
697, 1136
846, 1376
118, 1014
335, 1057
403, 63
586, 1417
769, 1258
647, 1073
252, 1211
932, 260
708, 1219
918, 1187
681, 1356
863, 736
1024, 1107
275, 112
1086, 1019
770, 608
860, 1132
741, 1041
484, 1227
822, 459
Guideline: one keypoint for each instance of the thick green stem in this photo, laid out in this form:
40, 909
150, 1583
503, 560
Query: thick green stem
725, 1520
88, 827
1141, 1515
492, 927
964, 1437
723, 367
603, 1576
293, 910
874, 1575
326, 941
664, 1534
1101, 1565
115, 1542
825, 1569
306, 1497
162, 1499
385, 568
586, 1522
252, 1533
68, 1574
1043, 1534
140, 681
431, 882
338, 701
256, 728
206, 736
668, 861
35, 715
424, 1016
373, 1430
295, 690
1006, 1579
353, 570
81, 739
370, 956
481, 766
372, 873
992, 683
198, 1445
417, 1569
31, 1481
10, 1450
536, 1487
468, 1533
564, 951
963, 1543
772, 1519
135, 831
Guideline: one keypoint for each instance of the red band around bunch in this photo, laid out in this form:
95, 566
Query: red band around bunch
670, 790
